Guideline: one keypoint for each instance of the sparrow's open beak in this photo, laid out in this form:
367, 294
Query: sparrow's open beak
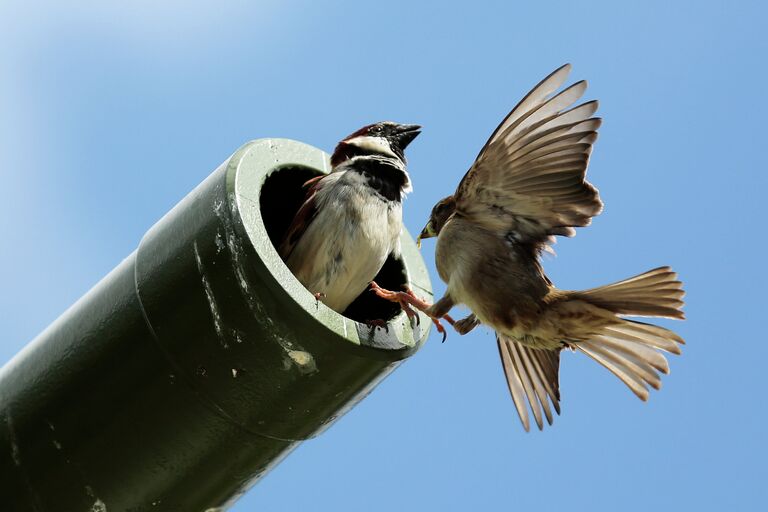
427, 232
406, 133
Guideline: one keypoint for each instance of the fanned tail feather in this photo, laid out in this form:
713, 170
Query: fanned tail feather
630, 349
656, 293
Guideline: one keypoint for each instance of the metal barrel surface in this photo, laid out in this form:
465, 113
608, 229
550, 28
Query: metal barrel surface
199, 362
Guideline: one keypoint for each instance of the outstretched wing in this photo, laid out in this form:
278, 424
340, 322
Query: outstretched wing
532, 376
529, 178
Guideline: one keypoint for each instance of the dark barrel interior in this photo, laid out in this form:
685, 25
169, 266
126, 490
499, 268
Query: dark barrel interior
281, 197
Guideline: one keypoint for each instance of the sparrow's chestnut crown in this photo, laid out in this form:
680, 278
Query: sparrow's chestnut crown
383, 138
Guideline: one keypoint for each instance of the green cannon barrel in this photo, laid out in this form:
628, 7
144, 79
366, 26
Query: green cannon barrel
199, 362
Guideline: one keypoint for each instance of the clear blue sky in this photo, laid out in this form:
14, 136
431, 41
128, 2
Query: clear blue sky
110, 115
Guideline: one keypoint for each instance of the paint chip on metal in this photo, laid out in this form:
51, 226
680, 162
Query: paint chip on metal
209, 296
304, 361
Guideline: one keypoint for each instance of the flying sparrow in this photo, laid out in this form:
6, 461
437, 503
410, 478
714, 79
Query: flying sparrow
526, 186
351, 219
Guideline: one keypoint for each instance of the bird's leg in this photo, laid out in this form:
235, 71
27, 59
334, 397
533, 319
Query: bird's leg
401, 298
398, 297
441, 308
407, 298
465, 325
318, 296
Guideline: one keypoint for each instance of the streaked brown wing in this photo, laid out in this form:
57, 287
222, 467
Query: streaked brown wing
529, 178
532, 377
302, 219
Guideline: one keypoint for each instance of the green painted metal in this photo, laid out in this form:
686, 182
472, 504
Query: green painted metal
199, 362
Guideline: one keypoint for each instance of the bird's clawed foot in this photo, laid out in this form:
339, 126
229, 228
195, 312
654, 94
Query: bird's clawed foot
465, 325
402, 298
406, 299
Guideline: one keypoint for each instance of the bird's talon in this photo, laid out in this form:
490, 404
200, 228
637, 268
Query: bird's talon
439, 327
465, 325
409, 312
406, 299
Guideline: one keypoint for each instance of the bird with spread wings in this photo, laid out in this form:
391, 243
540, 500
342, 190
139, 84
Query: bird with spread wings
526, 186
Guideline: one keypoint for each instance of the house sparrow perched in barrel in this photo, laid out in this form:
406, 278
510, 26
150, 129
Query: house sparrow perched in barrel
526, 186
351, 219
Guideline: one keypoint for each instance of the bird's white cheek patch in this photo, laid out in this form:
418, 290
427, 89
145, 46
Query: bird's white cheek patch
373, 144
